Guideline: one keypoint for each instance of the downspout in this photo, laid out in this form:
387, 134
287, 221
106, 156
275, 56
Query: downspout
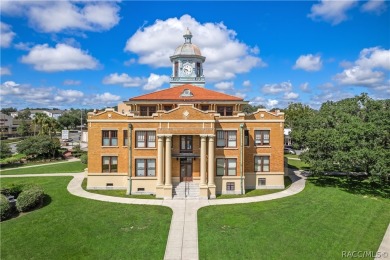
130, 160
242, 157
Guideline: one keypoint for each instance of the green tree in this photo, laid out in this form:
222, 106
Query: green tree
248, 108
8, 110
298, 117
72, 118
41, 145
351, 135
24, 114
24, 128
5, 150
38, 122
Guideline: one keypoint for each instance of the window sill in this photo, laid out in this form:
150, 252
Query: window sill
228, 148
263, 146
106, 146
146, 148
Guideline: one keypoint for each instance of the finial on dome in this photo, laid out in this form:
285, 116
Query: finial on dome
187, 36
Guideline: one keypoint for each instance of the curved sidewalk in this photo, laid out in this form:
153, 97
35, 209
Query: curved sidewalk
182, 240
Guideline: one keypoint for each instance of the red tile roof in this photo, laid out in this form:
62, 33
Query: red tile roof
198, 94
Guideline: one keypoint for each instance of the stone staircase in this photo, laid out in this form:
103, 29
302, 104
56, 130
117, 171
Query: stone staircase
185, 190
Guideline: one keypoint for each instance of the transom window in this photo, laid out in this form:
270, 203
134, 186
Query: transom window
145, 167
226, 167
145, 139
225, 110
226, 138
110, 164
109, 137
147, 110
261, 163
262, 137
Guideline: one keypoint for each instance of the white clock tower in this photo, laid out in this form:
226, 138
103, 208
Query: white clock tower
187, 64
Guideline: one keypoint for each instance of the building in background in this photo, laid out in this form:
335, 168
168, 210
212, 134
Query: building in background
185, 141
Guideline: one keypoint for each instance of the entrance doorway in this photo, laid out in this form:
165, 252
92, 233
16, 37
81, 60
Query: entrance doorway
185, 169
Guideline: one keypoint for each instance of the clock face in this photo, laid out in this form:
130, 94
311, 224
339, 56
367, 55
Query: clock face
187, 69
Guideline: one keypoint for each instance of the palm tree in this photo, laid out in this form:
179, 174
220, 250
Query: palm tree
38, 121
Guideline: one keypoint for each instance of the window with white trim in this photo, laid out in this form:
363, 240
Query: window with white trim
226, 138
261, 163
125, 138
262, 137
109, 137
226, 167
145, 139
145, 167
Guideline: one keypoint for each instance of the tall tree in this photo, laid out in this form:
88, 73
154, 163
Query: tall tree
8, 110
25, 114
248, 108
24, 128
38, 122
5, 150
41, 145
351, 135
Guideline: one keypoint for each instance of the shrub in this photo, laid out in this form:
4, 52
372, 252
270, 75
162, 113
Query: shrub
5, 208
29, 198
13, 190
84, 158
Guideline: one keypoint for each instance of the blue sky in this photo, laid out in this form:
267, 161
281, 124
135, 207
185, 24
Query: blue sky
95, 54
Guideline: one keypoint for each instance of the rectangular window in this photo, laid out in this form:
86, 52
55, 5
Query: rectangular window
261, 182
225, 110
261, 163
176, 72
125, 138
230, 186
145, 139
147, 110
109, 137
226, 167
145, 167
226, 138
262, 137
186, 144
110, 164
246, 137
198, 69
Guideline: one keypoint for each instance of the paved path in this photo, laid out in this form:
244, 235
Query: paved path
384, 248
183, 233
38, 165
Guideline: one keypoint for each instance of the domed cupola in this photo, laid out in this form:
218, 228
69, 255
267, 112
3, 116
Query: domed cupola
187, 64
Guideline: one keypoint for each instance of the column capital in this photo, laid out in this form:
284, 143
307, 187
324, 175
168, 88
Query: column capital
203, 136
160, 136
168, 137
211, 136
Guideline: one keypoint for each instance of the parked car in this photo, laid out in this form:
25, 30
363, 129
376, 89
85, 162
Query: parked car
289, 150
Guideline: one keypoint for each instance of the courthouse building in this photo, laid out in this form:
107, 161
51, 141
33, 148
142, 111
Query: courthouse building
185, 141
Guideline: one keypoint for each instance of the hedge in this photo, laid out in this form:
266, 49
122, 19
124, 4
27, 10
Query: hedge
84, 158
5, 208
13, 189
29, 198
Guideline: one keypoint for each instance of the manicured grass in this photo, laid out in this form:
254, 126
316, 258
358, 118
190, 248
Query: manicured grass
252, 193
297, 164
291, 156
69, 227
318, 223
70, 167
116, 193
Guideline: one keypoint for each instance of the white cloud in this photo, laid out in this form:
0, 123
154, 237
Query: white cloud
5, 71
225, 55
71, 82
68, 96
374, 6
124, 80
246, 83
60, 16
290, 95
305, 87
277, 88
60, 58
155, 81
6, 35
240, 94
331, 11
224, 85
271, 103
308, 62
368, 70
103, 99
24, 46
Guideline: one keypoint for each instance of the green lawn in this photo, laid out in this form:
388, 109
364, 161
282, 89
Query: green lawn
51, 168
69, 227
252, 193
116, 193
319, 223
296, 164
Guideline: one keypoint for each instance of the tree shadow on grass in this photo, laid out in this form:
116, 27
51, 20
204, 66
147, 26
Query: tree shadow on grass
353, 184
46, 200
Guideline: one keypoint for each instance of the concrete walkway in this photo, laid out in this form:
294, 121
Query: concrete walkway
38, 165
183, 233
384, 248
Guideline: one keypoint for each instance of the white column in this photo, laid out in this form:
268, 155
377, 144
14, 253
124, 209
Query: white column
168, 160
160, 160
211, 160
203, 159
